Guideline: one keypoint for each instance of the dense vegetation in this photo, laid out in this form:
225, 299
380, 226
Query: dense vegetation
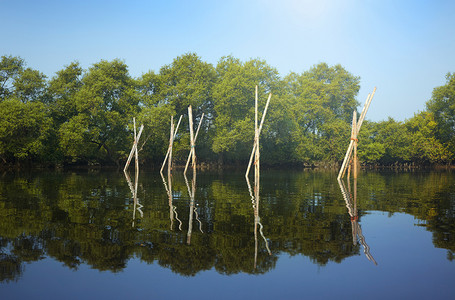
85, 116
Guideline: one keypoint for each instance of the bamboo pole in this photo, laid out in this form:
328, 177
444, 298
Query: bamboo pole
256, 113
195, 138
136, 155
260, 128
354, 137
171, 141
359, 125
346, 158
367, 106
192, 150
133, 149
167, 153
256, 141
128, 161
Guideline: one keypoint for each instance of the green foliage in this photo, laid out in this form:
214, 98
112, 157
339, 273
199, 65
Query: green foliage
155, 137
104, 106
24, 130
425, 146
442, 105
10, 68
29, 85
85, 116
187, 81
321, 103
234, 104
396, 141
62, 90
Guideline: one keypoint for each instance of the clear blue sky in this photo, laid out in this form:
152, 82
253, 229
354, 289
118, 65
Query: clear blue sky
405, 48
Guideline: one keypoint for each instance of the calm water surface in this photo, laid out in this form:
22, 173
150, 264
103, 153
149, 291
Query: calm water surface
79, 235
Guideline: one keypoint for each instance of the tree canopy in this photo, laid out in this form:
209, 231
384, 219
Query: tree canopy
85, 116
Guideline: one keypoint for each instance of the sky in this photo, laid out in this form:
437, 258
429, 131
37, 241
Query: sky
404, 48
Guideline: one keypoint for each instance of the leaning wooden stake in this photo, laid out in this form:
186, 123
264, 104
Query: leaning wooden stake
171, 142
259, 132
351, 144
256, 138
192, 150
136, 155
195, 138
354, 138
134, 148
169, 148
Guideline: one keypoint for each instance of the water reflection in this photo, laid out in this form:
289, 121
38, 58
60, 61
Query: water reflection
86, 218
257, 220
133, 188
351, 204
172, 208
193, 208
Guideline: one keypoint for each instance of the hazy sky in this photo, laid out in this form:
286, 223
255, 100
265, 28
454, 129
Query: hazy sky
405, 48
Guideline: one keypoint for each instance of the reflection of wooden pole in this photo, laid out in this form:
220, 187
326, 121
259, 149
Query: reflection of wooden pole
355, 197
136, 205
168, 149
192, 202
195, 138
352, 210
169, 194
260, 128
255, 240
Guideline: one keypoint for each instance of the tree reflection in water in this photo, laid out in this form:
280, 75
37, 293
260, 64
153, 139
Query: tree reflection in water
86, 218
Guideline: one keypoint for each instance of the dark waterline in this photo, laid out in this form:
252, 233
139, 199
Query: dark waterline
80, 235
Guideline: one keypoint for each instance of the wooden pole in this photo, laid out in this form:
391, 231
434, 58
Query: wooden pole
364, 111
260, 128
193, 154
256, 156
354, 137
128, 161
136, 156
256, 114
256, 173
171, 141
193, 146
133, 149
168, 149
359, 125
195, 138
